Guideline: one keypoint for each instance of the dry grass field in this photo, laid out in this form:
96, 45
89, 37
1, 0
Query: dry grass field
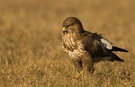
30, 42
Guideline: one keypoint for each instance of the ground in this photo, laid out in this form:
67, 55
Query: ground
30, 42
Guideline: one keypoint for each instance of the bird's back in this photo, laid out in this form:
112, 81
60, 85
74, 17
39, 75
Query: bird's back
92, 43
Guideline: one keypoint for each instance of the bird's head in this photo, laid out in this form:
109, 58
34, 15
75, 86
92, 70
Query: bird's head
71, 25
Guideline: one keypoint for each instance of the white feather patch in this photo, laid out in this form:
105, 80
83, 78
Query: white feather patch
106, 43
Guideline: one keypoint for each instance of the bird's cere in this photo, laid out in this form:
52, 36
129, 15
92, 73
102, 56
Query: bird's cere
63, 28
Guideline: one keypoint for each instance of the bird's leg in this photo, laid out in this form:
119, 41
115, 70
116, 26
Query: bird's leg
87, 64
78, 66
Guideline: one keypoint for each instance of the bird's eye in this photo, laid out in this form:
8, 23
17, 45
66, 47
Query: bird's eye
67, 26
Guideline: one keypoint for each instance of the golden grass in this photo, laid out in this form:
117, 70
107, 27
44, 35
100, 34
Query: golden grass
30, 42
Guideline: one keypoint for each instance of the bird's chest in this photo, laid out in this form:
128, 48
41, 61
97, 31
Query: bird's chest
76, 53
74, 48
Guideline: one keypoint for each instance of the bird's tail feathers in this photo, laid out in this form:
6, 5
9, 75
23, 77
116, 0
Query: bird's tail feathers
113, 57
119, 49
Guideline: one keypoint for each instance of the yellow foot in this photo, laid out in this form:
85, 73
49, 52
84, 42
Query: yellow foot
78, 75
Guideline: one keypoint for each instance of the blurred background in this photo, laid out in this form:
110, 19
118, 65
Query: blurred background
30, 41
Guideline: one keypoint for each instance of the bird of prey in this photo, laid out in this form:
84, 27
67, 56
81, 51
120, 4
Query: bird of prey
86, 48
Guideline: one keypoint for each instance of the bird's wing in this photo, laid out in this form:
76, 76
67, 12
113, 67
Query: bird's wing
100, 48
95, 44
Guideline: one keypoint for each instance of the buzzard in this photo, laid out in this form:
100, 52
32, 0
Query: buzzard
86, 48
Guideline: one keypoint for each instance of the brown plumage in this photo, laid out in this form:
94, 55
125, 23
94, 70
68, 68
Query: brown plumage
86, 48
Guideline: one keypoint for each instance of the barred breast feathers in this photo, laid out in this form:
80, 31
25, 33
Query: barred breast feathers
74, 48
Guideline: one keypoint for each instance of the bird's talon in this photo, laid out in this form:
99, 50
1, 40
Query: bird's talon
78, 75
